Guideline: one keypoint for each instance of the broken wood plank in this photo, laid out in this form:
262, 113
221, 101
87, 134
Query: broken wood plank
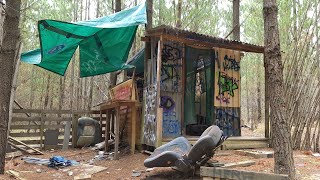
255, 153
17, 147
239, 164
13, 154
225, 173
17, 141
82, 177
15, 174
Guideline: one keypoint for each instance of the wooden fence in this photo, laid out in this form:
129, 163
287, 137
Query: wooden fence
29, 125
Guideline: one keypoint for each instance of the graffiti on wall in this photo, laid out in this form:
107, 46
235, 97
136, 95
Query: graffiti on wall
227, 91
171, 126
171, 70
227, 78
228, 120
230, 63
227, 84
150, 110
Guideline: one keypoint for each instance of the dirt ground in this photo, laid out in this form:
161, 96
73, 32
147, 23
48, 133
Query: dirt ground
307, 166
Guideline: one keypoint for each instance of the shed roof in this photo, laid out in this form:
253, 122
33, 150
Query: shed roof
193, 38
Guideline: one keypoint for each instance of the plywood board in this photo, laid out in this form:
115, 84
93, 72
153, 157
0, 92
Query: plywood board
227, 78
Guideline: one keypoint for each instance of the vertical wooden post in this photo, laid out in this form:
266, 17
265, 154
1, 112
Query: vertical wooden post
107, 131
267, 105
159, 127
133, 127
117, 124
159, 111
41, 130
183, 128
74, 129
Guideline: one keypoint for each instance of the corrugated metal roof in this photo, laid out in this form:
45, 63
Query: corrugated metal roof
202, 39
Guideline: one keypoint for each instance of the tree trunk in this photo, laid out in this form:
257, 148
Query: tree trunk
160, 12
46, 98
259, 95
283, 154
7, 58
236, 20
148, 44
118, 5
179, 7
113, 75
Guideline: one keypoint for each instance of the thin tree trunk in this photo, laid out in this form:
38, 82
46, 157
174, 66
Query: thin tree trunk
113, 75
160, 12
259, 119
236, 20
46, 98
247, 95
283, 154
179, 9
8, 52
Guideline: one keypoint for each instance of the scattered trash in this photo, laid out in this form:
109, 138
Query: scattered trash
87, 170
15, 174
59, 161
135, 173
70, 173
149, 169
66, 170
34, 160
12, 155
102, 145
82, 177
55, 161
316, 154
146, 152
38, 171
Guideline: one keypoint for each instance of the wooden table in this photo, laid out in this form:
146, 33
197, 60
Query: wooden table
112, 109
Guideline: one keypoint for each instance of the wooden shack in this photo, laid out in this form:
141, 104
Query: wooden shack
191, 81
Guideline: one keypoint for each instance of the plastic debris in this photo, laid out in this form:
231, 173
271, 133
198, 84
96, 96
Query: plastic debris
136, 174
59, 161
55, 161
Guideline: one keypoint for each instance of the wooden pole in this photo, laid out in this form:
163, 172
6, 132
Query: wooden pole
74, 129
14, 84
41, 130
159, 112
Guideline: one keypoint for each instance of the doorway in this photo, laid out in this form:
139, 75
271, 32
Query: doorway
199, 90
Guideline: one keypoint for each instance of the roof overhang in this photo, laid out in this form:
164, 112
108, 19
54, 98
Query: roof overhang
196, 39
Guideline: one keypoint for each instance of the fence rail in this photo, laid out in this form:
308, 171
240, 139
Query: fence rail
30, 130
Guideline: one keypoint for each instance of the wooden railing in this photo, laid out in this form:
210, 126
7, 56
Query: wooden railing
30, 130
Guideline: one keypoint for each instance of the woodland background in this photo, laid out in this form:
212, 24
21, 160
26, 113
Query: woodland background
299, 37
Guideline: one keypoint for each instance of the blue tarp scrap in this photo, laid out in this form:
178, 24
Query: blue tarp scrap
55, 161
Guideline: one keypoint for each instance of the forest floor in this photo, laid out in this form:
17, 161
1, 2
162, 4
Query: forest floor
307, 166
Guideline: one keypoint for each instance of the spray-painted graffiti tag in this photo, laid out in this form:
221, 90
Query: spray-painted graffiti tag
228, 120
149, 133
167, 103
227, 84
230, 64
170, 53
171, 69
171, 126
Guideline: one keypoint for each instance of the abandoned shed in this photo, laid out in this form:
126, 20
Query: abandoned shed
191, 81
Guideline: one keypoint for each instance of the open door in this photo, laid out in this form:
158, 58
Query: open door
199, 90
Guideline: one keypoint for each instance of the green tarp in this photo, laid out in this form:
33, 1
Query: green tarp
104, 43
137, 61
